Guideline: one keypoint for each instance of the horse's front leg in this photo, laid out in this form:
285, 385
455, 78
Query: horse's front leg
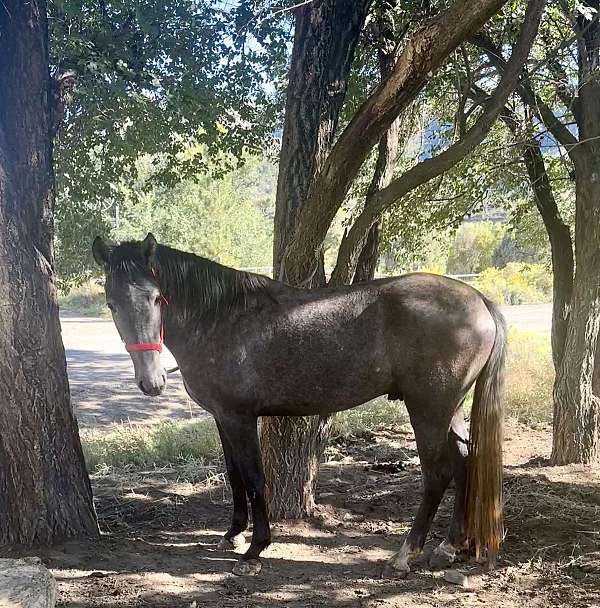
242, 435
233, 537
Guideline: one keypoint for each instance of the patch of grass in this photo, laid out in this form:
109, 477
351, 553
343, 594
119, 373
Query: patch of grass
529, 377
151, 446
369, 417
86, 300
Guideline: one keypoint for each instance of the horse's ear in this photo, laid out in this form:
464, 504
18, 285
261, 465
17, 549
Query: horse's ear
149, 245
101, 252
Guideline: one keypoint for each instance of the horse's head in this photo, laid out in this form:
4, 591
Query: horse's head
136, 303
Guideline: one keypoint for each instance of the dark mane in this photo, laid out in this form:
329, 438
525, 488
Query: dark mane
196, 287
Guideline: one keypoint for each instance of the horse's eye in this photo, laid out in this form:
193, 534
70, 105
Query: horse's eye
157, 300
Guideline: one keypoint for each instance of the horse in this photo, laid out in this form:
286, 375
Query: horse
248, 346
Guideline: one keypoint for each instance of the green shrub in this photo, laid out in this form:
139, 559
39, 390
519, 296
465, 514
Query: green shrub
474, 246
516, 283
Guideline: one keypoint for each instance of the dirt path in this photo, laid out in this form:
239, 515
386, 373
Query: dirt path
102, 384
159, 543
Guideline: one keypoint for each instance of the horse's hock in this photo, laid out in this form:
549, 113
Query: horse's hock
26, 583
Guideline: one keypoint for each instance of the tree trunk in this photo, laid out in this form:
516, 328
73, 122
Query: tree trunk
326, 34
559, 236
45, 493
367, 260
325, 37
576, 435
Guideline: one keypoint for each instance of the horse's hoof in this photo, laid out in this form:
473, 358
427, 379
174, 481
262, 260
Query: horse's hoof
229, 544
443, 556
248, 567
397, 567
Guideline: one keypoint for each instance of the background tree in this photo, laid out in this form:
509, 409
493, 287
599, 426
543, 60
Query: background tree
45, 493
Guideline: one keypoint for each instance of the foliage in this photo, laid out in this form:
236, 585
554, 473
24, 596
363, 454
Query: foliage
192, 84
155, 77
517, 283
474, 246
219, 219
227, 219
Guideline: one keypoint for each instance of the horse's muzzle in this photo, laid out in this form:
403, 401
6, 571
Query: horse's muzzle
153, 388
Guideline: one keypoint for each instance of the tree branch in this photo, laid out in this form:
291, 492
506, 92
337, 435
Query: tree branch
527, 94
433, 167
422, 56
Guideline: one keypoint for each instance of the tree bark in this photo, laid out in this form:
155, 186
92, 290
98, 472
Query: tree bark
576, 435
367, 260
325, 37
45, 494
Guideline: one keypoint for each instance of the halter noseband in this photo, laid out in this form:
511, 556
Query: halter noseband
157, 346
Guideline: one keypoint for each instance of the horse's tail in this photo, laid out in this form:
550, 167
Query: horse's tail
484, 521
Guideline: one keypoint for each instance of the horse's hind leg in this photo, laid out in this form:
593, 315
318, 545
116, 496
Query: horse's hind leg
458, 438
241, 432
239, 522
431, 432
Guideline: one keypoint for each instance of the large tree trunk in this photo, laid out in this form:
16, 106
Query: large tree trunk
45, 493
325, 38
577, 389
576, 435
369, 256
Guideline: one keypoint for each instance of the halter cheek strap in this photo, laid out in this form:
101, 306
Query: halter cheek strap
157, 346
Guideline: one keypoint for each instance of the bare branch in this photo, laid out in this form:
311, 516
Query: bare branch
527, 94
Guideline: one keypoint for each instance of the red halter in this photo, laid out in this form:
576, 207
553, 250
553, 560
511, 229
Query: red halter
157, 346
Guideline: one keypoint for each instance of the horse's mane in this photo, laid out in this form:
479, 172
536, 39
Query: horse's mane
197, 287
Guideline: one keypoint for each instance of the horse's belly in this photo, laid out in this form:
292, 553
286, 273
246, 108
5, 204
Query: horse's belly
318, 394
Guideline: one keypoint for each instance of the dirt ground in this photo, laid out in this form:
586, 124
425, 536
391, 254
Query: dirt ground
158, 546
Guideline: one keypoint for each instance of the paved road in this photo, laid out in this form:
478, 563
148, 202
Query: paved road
529, 317
101, 372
